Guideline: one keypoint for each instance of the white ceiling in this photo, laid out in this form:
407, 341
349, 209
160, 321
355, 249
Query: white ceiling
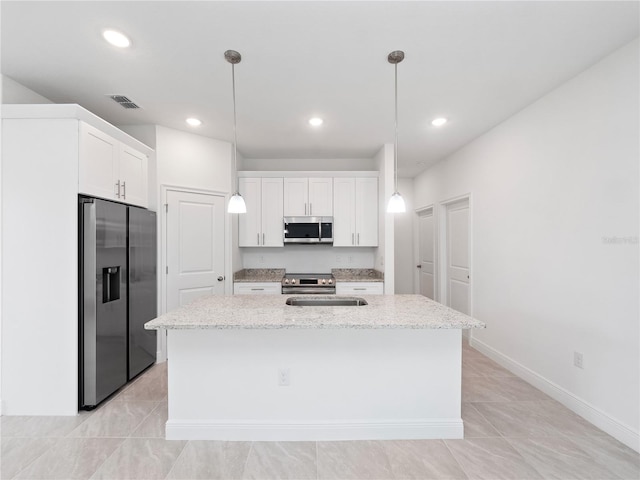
476, 63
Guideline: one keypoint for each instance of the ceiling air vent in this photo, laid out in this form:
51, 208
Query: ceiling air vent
124, 102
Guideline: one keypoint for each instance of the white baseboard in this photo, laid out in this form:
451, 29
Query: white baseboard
583, 408
314, 431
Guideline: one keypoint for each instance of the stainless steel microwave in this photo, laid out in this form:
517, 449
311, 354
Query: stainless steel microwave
308, 230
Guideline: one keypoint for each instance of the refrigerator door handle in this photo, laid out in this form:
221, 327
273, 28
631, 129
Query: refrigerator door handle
89, 316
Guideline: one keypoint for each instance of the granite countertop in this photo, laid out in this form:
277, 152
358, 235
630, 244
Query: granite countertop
271, 312
259, 275
357, 275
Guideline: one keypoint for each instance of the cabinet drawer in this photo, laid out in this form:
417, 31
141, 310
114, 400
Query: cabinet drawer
257, 288
359, 288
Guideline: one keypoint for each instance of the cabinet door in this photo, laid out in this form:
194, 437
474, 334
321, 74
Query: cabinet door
344, 197
133, 176
249, 224
272, 208
321, 197
295, 197
98, 163
366, 212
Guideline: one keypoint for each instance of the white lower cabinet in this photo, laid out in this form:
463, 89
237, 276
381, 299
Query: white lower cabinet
359, 288
257, 288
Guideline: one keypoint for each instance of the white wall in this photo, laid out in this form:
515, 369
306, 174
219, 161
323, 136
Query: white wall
14, 92
306, 164
385, 254
550, 186
404, 262
193, 161
308, 258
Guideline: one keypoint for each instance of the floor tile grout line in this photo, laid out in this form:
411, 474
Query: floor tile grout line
455, 459
500, 434
123, 439
246, 460
33, 460
184, 447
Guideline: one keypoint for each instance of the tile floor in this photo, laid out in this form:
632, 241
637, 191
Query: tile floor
512, 431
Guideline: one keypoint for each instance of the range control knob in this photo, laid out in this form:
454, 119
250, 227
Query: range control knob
324, 281
286, 281
293, 280
330, 281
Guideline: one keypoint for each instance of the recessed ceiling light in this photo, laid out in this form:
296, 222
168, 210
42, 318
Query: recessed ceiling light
194, 122
315, 121
116, 38
438, 122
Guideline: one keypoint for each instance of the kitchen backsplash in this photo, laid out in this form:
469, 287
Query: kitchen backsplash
308, 258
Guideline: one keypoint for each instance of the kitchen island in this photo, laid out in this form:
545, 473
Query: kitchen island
254, 368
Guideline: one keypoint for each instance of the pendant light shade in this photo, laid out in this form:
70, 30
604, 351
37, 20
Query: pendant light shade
236, 202
396, 202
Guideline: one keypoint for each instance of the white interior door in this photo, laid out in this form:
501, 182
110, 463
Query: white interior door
458, 291
427, 254
195, 246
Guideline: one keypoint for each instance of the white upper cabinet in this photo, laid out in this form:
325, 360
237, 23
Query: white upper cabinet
308, 196
262, 225
98, 165
355, 222
133, 176
321, 197
110, 169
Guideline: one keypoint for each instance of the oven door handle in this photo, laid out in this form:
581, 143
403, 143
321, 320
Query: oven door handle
307, 291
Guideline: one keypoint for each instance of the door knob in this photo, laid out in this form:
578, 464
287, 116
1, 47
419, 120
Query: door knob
418, 266
220, 278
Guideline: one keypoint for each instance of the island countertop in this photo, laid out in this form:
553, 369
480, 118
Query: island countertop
271, 312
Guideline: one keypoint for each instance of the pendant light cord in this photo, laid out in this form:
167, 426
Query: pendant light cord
395, 150
235, 129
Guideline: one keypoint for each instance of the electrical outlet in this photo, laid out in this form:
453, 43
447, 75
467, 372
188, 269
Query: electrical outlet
350, 258
338, 259
577, 359
283, 377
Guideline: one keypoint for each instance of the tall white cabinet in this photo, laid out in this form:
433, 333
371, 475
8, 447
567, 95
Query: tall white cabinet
262, 225
355, 222
42, 147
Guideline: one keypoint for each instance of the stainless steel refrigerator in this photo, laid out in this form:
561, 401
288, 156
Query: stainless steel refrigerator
118, 288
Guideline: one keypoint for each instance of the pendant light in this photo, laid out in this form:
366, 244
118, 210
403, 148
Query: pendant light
236, 202
396, 202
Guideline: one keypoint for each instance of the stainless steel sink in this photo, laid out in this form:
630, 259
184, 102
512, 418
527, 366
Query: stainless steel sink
327, 302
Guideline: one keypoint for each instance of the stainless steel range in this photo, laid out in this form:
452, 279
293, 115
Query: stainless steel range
309, 283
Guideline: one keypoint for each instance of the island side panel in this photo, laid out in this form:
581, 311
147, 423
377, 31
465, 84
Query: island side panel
345, 384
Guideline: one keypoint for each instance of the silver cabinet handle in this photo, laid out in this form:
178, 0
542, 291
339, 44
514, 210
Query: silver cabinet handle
256, 289
358, 239
418, 266
359, 288
220, 278
124, 191
353, 241
305, 209
263, 239
118, 189
258, 239
310, 208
